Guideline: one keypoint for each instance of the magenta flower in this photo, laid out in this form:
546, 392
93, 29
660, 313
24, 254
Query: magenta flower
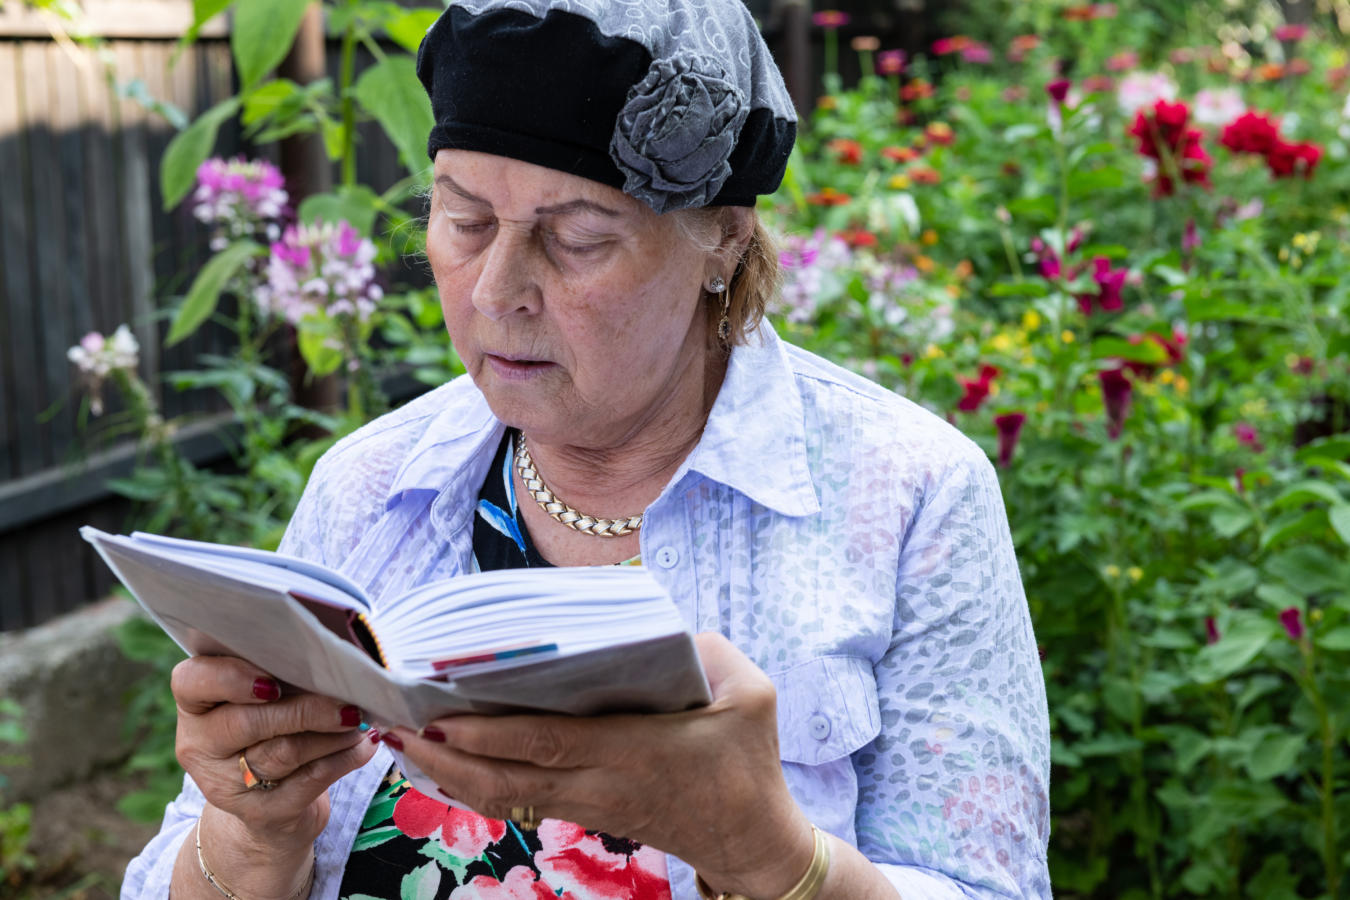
1110, 284
1211, 630
977, 53
1291, 32
891, 62
1009, 427
1292, 620
829, 18
320, 269
240, 198
1117, 390
1059, 89
977, 389
1247, 436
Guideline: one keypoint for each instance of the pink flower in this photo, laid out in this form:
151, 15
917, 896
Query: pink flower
1098, 84
519, 884
1292, 620
1110, 285
1291, 33
891, 62
596, 866
1009, 427
1211, 630
977, 53
465, 834
1123, 61
949, 45
829, 18
1247, 437
1059, 89
1117, 390
977, 389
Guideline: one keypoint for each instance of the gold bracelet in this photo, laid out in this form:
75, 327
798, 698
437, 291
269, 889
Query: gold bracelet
806, 889
216, 883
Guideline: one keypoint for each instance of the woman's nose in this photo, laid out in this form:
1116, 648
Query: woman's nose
505, 285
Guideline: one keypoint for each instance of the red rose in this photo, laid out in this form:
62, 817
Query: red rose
1251, 132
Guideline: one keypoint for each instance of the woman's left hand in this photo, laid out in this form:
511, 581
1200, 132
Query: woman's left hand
705, 785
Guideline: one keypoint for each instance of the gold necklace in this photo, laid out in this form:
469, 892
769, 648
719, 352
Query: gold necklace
549, 502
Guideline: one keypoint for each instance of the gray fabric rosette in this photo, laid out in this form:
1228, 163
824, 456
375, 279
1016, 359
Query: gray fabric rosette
674, 136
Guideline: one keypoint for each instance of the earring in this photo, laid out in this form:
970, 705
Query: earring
719, 286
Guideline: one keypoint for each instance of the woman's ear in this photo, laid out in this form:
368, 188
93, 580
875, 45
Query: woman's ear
738, 226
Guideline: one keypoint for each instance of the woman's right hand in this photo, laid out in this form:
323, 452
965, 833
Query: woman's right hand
303, 742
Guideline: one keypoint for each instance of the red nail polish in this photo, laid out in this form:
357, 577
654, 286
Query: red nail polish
374, 735
351, 716
266, 689
393, 740
433, 734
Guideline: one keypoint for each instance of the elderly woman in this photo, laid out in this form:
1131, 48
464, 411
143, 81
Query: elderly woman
878, 727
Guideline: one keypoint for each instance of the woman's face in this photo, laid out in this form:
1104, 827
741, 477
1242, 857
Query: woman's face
575, 308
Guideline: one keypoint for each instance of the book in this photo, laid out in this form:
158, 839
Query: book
575, 640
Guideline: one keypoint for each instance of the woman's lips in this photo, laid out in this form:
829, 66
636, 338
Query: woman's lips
517, 369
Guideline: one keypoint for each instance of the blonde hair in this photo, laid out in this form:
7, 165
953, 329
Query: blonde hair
753, 284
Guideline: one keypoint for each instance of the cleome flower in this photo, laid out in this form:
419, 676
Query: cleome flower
240, 197
320, 269
98, 357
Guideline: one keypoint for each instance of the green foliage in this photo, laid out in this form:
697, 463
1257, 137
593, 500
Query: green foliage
202, 297
391, 94
262, 34
189, 149
1184, 553
16, 859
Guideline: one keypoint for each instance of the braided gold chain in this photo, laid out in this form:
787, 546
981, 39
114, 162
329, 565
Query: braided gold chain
577, 521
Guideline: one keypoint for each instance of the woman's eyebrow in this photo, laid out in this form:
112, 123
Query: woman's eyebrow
572, 206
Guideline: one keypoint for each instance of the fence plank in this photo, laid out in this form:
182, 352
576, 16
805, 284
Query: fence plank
102, 233
13, 268
14, 611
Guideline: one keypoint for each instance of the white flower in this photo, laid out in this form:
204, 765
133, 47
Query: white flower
1218, 107
1143, 89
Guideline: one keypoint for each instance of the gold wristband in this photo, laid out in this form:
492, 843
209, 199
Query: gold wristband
220, 887
806, 889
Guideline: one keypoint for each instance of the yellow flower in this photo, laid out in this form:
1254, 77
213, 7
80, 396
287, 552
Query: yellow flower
1182, 384
827, 102
1315, 616
1111, 571
1067, 336
1031, 320
953, 291
924, 264
1167, 376
964, 269
1135, 573
1043, 407
1147, 388
933, 351
929, 238
1001, 342
899, 183
1284, 254
1300, 240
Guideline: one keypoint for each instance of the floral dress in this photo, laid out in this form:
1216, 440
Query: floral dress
413, 847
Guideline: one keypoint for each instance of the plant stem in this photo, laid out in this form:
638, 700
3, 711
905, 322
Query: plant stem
1331, 859
348, 103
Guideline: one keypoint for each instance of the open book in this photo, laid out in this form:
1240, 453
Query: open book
584, 640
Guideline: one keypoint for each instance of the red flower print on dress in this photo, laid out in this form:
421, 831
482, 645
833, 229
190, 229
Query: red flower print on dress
519, 884
591, 866
465, 834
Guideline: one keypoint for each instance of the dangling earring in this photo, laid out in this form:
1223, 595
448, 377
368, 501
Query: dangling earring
719, 286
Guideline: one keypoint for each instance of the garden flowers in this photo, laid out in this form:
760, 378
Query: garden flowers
240, 197
98, 357
1259, 134
1165, 138
320, 269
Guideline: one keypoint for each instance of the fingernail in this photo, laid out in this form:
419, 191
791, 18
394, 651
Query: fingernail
393, 740
351, 716
266, 689
374, 735
433, 734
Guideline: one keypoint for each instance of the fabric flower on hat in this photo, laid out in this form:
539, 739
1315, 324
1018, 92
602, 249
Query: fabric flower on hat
674, 137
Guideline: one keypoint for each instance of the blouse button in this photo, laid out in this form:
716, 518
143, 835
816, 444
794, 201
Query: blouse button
667, 557
820, 726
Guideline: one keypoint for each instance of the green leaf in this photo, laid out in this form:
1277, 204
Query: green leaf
408, 29
1119, 348
1292, 525
1309, 569
375, 837
421, 883
356, 205
1275, 755
1339, 516
1335, 639
316, 346
262, 34
205, 292
1244, 639
268, 98
1307, 491
204, 11
189, 149
1089, 181
1229, 523
1019, 289
390, 92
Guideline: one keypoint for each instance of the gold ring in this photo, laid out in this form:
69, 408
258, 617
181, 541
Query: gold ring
524, 817
251, 781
